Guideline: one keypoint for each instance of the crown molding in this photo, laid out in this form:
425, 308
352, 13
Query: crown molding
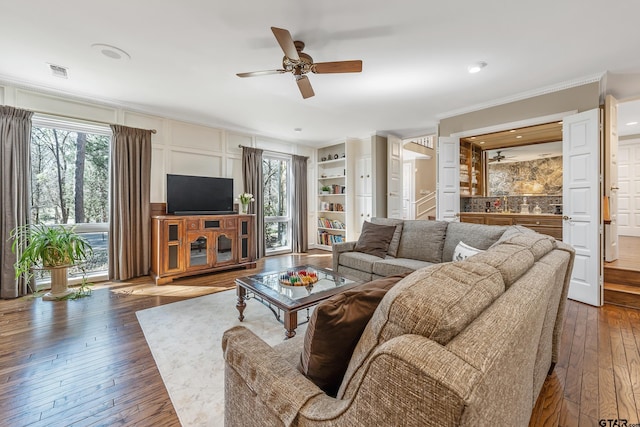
597, 77
135, 108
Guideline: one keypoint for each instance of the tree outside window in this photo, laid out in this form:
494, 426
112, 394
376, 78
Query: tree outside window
70, 185
277, 203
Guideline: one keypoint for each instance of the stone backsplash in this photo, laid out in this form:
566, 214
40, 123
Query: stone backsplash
543, 176
479, 204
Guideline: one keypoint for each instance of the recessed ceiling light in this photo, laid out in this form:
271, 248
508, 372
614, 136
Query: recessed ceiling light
472, 138
297, 130
512, 130
632, 123
477, 67
519, 136
111, 52
481, 142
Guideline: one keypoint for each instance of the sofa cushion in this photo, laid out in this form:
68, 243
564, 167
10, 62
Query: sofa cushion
436, 302
395, 241
334, 330
422, 240
358, 261
375, 239
464, 251
477, 235
512, 230
391, 266
515, 256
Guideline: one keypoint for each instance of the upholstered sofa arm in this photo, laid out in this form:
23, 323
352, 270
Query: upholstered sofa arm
277, 384
410, 380
339, 248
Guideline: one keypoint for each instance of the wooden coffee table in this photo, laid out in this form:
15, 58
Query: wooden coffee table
266, 287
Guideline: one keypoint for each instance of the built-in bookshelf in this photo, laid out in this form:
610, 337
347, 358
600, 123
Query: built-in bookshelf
332, 191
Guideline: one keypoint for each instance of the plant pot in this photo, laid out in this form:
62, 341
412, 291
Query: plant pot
59, 284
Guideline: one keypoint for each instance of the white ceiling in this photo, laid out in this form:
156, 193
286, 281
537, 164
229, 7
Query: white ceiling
184, 57
525, 153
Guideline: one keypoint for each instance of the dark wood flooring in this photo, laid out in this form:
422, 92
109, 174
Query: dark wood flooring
86, 362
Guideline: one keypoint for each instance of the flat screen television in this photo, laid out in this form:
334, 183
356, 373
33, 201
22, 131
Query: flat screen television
199, 195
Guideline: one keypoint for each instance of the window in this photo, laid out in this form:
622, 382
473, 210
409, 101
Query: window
70, 184
277, 203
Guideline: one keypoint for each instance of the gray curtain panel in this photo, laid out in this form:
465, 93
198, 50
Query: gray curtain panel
253, 183
299, 218
15, 174
130, 208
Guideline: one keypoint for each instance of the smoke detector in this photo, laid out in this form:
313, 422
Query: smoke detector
59, 71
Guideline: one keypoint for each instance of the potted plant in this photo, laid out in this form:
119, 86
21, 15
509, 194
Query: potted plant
245, 199
55, 248
326, 189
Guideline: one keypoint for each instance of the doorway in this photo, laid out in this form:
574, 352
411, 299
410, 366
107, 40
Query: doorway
419, 178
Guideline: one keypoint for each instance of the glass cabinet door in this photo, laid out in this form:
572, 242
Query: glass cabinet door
224, 249
173, 248
198, 250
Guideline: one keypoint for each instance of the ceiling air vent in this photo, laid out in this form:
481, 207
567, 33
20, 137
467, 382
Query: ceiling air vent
58, 71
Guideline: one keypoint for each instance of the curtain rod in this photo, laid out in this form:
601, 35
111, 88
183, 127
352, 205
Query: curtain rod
277, 152
47, 114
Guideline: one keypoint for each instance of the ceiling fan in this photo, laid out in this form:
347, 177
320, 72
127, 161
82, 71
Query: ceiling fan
299, 63
499, 157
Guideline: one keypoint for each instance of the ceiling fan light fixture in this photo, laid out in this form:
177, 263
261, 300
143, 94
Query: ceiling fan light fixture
477, 67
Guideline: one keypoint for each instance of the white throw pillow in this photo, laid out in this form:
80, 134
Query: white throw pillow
464, 251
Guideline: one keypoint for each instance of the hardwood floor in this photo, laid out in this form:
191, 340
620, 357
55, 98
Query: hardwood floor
86, 362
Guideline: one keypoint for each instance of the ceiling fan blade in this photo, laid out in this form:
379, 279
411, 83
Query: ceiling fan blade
304, 84
260, 73
286, 43
337, 67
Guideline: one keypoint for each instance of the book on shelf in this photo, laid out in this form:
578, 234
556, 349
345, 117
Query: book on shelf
330, 223
328, 239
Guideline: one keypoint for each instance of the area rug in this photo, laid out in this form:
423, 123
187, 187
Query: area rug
185, 340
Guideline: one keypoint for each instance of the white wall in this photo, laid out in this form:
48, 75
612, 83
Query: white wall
178, 147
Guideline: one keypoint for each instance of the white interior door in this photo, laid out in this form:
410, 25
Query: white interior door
448, 187
629, 183
611, 186
394, 177
581, 199
408, 211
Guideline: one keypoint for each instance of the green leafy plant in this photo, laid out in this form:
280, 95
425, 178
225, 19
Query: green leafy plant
48, 247
326, 188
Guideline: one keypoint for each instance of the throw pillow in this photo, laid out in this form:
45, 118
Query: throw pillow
375, 239
464, 251
395, 241
334, 330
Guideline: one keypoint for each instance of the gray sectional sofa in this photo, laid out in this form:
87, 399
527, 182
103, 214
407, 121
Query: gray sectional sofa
417, 244
464, 343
